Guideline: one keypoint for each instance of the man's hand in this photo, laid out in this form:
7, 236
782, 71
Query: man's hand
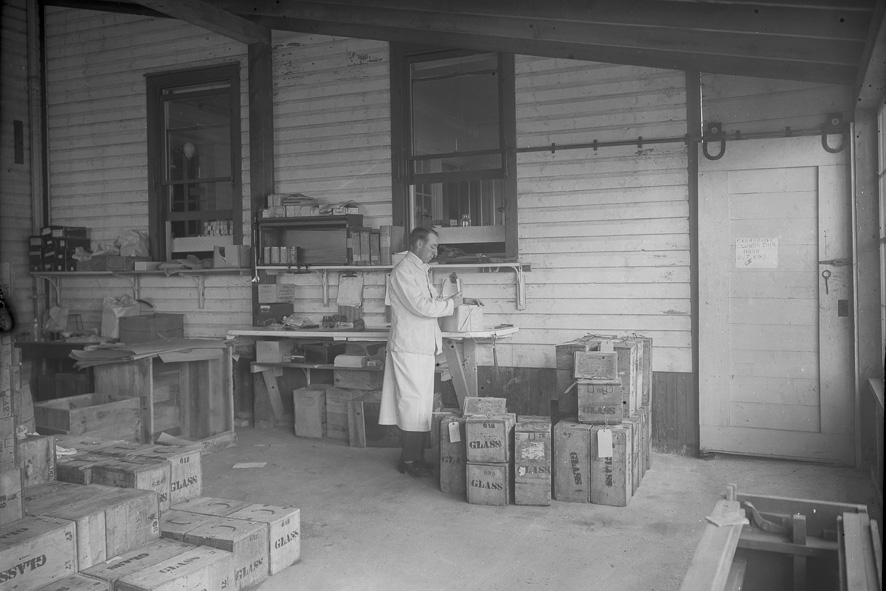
457, 300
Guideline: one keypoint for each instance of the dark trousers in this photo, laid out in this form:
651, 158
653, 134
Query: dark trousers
413, 445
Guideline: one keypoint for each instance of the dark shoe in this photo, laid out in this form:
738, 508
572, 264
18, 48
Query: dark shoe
426, 465
414, 468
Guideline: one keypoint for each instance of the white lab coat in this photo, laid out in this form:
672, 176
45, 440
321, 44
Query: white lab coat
408, 392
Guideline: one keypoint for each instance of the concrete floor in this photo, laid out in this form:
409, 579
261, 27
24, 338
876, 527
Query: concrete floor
367, 527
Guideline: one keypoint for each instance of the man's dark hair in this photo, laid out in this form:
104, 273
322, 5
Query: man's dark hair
420, 233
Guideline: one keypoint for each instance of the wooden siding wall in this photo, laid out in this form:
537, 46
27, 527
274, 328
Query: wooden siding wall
97, 131
606, 231
755, 105
332, 141
15, 178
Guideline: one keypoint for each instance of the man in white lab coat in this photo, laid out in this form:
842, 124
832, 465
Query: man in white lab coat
408, 392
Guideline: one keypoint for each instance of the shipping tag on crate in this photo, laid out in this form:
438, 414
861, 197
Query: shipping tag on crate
454, 432
604, 443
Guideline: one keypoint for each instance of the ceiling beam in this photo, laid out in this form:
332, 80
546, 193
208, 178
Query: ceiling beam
209, 16
740, 66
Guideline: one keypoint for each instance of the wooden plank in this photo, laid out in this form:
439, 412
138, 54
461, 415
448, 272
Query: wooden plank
128, 378
273, 392
713, 556
455, 360
798, 536
206, 15
186, 400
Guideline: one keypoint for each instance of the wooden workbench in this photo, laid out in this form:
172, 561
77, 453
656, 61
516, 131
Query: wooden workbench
460, 349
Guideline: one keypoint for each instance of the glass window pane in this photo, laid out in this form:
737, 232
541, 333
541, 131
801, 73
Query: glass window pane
198, 111
457, 163
199, 154
455, 105
189, 205
447, 204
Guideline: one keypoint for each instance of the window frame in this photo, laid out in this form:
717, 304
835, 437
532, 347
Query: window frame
402, 55
156, 83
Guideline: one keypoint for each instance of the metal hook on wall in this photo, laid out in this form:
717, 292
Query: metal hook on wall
834, 125
713, 132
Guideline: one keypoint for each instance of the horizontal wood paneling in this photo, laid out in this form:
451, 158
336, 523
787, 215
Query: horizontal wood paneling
332, 125
15, 178
753, 105
96, 63
606, 231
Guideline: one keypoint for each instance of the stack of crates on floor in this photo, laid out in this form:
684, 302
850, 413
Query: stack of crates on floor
602, 455
532, 460
489, 444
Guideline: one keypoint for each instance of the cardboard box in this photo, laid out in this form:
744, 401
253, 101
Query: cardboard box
611, 477
198, 568
309, 404
76, 415
466, 318
151, 327
283, 529
11, 507
532, 461
136, 560
36, 455
453, 456
224, 257
488, 484
490, 437
572, 461
36, 551
246, 540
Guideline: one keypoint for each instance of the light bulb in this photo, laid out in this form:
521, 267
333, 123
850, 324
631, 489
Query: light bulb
189, 149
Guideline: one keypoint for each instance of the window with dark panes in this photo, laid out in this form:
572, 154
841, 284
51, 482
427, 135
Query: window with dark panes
453, 128
194, 161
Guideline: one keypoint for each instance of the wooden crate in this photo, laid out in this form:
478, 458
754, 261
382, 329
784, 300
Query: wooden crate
453, 456
77, 583
601, 403
89, 413
11, 507
532, 462
611, 477
132, 519
211, 506
643, 414
246, 540
633, 423
174, 525
595, 365
77, 469
363, 427
481, 405
185, 470
36, 455
358, 379
132, 472
7, 444
89, 516
436, 417
283, 526
85, 443
276, 351
572, 461
136, 560
36, 551
198, 568
489, 484
490, 437
309, 404
337, 400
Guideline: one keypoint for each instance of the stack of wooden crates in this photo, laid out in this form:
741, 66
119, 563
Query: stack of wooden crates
492, 456
602, 454
111, 514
